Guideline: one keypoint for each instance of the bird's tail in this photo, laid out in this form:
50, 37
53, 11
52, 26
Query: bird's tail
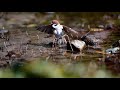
88, 41
85, 34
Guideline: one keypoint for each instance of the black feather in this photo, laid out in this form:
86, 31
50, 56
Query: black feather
87, 41
45, 28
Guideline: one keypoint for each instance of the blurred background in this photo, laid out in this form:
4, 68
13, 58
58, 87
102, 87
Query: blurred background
90, 67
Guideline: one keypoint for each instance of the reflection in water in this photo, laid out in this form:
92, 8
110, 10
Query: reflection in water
113, 63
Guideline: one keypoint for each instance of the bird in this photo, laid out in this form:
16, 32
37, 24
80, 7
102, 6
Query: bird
54, 29
60, 31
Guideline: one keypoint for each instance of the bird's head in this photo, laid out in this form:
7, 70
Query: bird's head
55, 22
56, 25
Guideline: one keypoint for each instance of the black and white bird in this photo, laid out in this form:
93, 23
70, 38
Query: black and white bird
59, 31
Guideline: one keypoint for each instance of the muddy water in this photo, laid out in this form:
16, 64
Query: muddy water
40, 49
39, 44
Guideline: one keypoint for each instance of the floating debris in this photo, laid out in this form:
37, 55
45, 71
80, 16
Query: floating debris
96, 29
113, 50
31, 25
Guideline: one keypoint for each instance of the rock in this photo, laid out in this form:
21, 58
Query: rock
76, 45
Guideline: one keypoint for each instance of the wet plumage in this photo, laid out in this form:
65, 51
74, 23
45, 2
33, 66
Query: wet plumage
73, 34
66, 31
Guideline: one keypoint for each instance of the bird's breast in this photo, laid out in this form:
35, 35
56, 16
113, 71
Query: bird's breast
58, 33
55, 31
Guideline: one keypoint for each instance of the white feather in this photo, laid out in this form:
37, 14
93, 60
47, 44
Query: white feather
55, 31
113, 50
58, 28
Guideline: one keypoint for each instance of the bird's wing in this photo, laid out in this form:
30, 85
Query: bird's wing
71, 32
45, 28
78, 35
87, 40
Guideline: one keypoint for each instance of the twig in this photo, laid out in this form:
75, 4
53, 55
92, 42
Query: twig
21, 44
39, 50
33, 53
86, 34
47, 58
27, 33
6, 46
26, 48
70, 46
69, 42
38, 38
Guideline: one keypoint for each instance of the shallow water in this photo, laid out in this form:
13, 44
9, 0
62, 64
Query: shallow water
93, 58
